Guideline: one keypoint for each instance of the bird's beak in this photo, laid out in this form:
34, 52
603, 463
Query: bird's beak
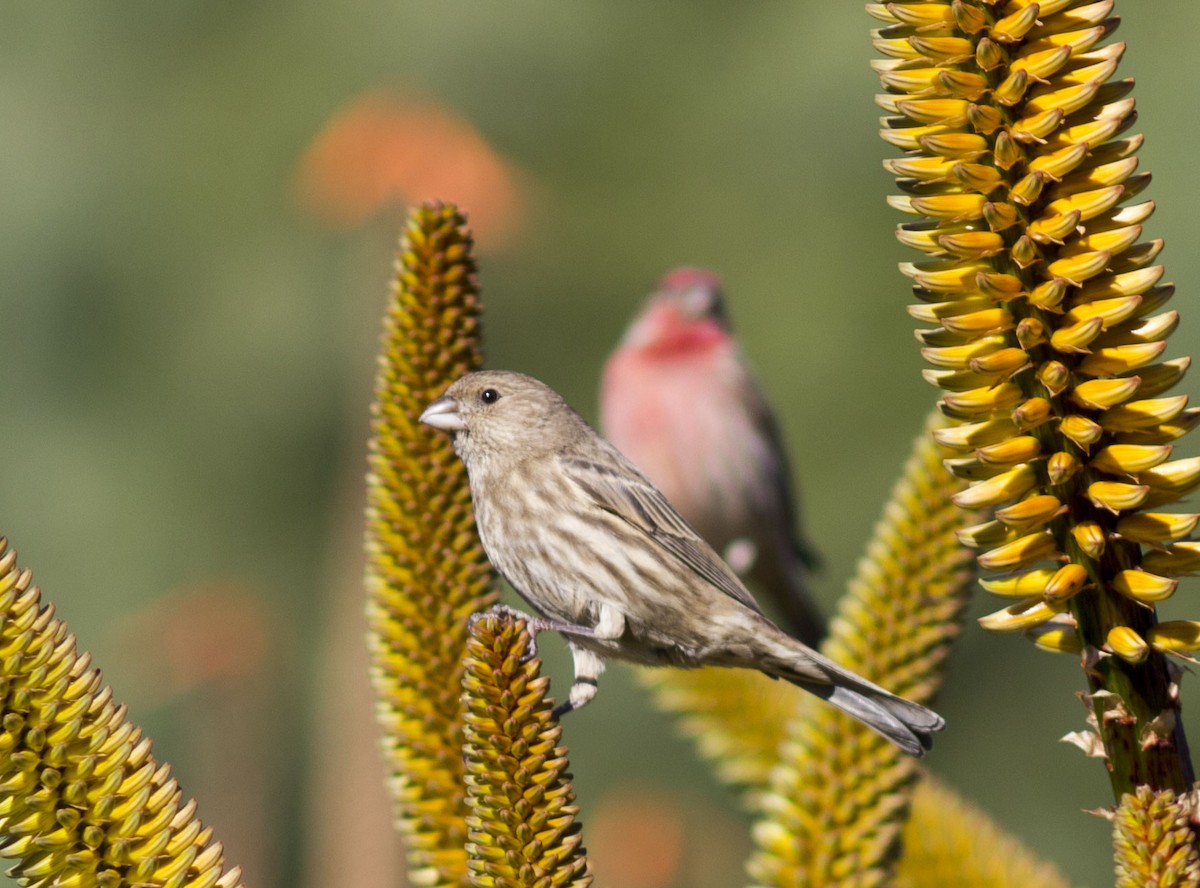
443, 414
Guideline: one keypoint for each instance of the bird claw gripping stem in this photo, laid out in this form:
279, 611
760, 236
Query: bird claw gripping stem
534, 624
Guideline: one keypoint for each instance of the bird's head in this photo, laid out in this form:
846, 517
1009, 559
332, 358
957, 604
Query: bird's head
500, 415
685, 313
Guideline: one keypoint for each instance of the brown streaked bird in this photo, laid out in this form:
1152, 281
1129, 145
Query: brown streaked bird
598, 551
679, 399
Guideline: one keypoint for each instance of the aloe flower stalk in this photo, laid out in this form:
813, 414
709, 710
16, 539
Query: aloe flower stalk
82, 801
948, 841
738, 719
838, 799
426, 571
1045, 324
522, 823
1154, 842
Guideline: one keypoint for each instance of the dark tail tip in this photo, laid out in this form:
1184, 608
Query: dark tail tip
909, 725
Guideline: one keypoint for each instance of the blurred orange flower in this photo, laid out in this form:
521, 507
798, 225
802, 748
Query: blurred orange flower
381, 149
215, 631
635, 838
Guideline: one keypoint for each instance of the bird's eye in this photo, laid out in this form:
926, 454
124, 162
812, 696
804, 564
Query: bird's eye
489, 396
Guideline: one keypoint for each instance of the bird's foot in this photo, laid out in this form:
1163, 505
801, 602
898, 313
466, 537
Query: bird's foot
532, 624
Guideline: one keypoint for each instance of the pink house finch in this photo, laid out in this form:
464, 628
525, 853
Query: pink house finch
678, 399
600, 553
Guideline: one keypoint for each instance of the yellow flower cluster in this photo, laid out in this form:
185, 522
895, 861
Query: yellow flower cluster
1153, 840
426, 571
522, 823
1045, 314
838, 798
949, 841
83, 803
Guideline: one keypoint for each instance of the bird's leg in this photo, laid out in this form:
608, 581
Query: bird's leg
610, 625
588, 667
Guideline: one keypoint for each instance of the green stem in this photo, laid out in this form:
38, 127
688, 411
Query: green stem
1141, 751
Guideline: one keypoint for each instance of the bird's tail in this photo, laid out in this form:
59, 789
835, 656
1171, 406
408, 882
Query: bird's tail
909, 725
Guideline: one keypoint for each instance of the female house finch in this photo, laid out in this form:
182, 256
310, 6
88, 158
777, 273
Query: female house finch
592, 545
678, 399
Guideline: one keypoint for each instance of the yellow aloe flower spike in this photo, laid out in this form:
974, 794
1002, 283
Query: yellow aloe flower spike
950, 842
522, 823
426, 571
1153, 841
738, 719
82, 800
1044, 303
837, 800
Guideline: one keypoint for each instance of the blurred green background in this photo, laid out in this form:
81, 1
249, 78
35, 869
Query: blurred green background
187, 345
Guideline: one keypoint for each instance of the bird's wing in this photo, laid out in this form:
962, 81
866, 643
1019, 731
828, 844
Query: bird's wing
620, 490
781, 475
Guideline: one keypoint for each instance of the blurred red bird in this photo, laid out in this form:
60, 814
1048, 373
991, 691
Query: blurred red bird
678, 399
